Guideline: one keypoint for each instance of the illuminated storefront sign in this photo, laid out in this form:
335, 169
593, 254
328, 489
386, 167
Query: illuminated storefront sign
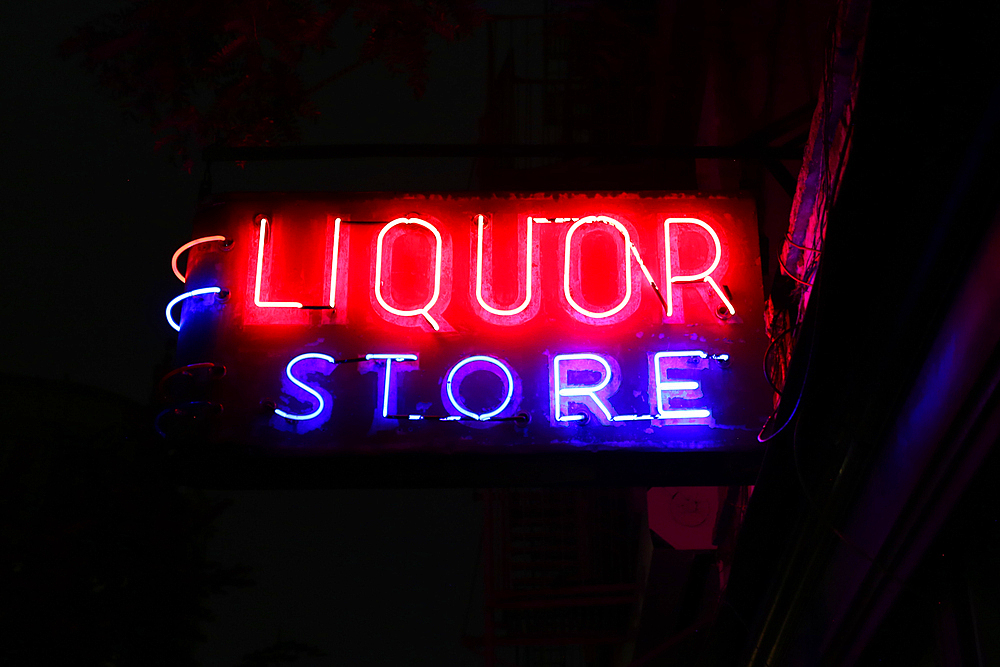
449, 323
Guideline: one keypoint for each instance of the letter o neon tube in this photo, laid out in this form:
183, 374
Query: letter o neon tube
627, 262
450, 382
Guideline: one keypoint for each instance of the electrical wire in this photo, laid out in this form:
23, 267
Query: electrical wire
790, 274
791, 416
805, 377
822, 516
792, 243
214, 370
795, 450
767, 352
183, 409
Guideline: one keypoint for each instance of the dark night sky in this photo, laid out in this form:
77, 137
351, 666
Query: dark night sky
92, 216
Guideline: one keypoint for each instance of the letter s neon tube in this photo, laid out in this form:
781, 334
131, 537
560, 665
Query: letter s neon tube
302, 385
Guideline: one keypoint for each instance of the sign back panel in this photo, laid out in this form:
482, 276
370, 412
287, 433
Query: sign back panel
360, 326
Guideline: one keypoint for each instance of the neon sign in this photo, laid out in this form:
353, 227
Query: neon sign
383, 322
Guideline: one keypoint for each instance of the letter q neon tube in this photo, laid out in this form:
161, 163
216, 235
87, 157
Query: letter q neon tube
438, 257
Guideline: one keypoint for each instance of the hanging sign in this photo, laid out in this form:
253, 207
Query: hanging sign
371, 324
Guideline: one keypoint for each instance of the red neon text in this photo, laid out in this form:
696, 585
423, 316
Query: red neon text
412, 263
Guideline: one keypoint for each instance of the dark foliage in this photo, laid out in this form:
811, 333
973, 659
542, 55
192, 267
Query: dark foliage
230, 71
